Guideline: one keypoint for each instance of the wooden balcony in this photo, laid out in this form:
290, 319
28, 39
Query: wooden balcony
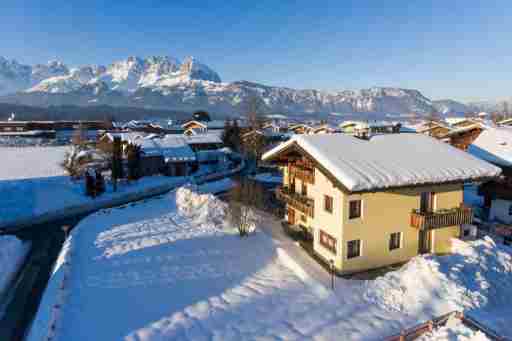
442, 218
304, 174
298, 201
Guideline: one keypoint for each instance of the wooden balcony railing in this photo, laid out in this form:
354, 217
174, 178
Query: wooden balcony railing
304, 174
298, 201
442, 218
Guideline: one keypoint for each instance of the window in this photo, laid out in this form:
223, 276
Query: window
354, 248
395, 240
328, 241
328, 203
304, 189
354, 209
507, 240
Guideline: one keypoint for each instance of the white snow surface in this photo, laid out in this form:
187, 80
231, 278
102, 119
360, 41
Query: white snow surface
172, 269
494, 145
389, 160
31, 162
12, 254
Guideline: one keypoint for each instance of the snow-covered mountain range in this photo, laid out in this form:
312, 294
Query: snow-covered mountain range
166, 82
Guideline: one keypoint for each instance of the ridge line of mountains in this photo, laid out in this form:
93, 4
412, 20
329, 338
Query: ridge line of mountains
166, 83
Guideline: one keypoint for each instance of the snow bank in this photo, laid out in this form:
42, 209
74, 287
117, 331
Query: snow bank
12, 254
454, 330
477, 278
202, 209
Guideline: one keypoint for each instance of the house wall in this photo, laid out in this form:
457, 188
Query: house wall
387, 212
330, 223
500, 210
383, 213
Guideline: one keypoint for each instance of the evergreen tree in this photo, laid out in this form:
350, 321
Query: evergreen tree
117, 162
134, 163
89, 185
100, 182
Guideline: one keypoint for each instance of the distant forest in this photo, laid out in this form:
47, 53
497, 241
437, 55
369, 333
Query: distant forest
102, 112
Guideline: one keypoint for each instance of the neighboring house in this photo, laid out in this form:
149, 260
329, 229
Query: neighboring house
495, 146
105, 141
506, 122
434, 129
366, 129
61, 130
170, 155
179, 158
299, 128
206, 141
371, 203
465, 122
462, 136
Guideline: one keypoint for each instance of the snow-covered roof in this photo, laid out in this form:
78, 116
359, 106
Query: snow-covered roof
215, 124
129, 137
463, 129
507, 121
171, 147
175, 148
494, 145
390, 160
455, 120
206, 138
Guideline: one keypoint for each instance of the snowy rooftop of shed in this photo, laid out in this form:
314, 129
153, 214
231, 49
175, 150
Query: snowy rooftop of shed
391, 160
494, 145
206, 138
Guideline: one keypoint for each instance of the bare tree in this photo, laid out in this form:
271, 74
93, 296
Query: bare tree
254, 112
243, 199
254, 146
79, 137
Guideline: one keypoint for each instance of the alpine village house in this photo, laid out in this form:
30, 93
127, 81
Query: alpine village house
371, 203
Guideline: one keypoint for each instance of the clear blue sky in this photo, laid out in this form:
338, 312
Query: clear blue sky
445, 48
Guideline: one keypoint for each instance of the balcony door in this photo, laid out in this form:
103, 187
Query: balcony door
425, 241
427, 202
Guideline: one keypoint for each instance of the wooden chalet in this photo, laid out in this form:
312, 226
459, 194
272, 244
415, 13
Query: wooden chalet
463, 136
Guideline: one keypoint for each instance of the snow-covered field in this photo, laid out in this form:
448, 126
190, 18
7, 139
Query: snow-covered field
33, 184
31, 162
12, 254
173, 269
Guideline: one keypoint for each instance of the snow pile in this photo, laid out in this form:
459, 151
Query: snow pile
477, 277
202, 209
454, 330
12, 254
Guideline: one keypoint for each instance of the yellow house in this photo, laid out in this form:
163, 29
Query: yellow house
371, 203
